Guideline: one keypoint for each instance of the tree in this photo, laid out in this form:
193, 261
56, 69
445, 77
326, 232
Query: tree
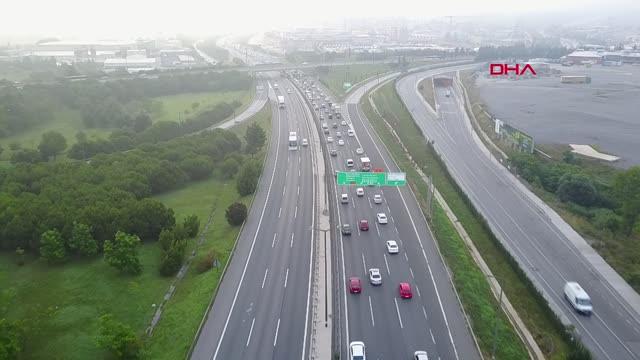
197, 167
11, 339
172, 259
1, 149
577, 188
52, 144
229, 167
122, 253
191, 225
52, 246
29, 156
141, 122
255, 137
247, 179
625, 189
236, 213
118, 338
82, 241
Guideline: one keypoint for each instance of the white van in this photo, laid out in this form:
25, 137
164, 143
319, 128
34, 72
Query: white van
349, 162
344, 199
578, 298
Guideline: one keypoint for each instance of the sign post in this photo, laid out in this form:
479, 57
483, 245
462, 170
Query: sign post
370, 178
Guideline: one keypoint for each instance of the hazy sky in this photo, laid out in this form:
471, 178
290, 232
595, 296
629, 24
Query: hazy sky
131, 18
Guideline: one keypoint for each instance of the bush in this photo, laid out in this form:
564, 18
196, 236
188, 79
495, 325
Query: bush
118, 338
236, 213
191, 225
247, 179
205, 263
577, 188
605, 219
52, 247
122, 253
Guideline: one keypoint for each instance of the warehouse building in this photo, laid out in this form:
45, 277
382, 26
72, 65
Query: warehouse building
131, 64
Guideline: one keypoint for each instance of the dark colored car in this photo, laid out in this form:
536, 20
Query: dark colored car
364, 225
355, 285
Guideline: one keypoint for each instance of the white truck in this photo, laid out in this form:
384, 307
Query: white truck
281, 101
365, 164
293, 141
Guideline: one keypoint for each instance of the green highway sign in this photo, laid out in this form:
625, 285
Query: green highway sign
370, 178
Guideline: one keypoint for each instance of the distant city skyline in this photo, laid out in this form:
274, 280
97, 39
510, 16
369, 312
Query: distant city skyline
76, 19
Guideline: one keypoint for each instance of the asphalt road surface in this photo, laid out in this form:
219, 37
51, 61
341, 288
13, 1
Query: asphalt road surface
548, 257
262, 310
391, 327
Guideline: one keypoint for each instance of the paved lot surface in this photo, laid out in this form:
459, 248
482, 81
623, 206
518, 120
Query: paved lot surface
604, 113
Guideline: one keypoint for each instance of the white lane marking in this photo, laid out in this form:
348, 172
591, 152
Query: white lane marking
253, 242
364, 264
398, 311
291, 242
393, 221
250, 331
370, 205
280, 212
275, 339
377, 228
286, 278
353, 203
418, 291
286, 171
386, 263
298, 172
432, 338
405, 257
264, 279
283, 189
298, 190
295, 214
411, 271
273, 242
424, 312
373, 323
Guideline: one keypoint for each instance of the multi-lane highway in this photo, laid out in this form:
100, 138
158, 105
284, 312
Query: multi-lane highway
262, 308
544, 246
390, 327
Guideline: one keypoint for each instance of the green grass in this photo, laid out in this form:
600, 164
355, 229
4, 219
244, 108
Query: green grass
426, 89
175, 331
176, 107
337, 75
64, 302
65, 121
530, 306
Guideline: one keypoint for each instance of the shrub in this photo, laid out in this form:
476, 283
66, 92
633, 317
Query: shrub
236, 213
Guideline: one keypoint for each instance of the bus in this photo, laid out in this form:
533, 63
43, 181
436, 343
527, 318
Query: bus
293, 141
281, 101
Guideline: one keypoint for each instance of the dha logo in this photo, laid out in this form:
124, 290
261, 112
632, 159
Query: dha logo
506, 69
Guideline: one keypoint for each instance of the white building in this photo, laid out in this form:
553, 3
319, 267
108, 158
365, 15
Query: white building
131, 64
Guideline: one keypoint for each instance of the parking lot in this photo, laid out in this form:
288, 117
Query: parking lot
605, 113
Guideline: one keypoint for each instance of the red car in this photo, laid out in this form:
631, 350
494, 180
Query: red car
364, 225
405, 291
354, 285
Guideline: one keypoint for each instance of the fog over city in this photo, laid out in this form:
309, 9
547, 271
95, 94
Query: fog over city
122, 18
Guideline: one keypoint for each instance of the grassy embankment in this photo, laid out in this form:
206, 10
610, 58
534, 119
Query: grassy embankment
183, 313
335, 76
426, 89
598, 225
64, 302
469, 281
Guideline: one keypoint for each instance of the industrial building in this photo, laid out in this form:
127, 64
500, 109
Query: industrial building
130, 64
604, 57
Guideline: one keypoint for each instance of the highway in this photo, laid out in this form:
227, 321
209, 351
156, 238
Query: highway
391, 327
262, 308
544, 246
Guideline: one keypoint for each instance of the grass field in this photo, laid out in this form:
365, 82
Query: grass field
426, 89
467, 277
337, 75
63, 303
183, 313
176, 107
68, 121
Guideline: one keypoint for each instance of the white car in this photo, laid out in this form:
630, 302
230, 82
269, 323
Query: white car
289, 91
329, 139
351, 133
340, 142
357, 351
377, 199
344, 199
338, 134
305, 142
374, 276
392, 247
349, 162
382, 218
359, 151
420, 355
360, 191
343, 123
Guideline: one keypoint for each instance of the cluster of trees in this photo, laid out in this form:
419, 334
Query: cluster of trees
521, 52
109, 194
173, 244
107, 104
613, 206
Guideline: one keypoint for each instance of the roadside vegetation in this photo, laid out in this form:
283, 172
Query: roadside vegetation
88, 248
479, 302
334, 77
599, 201
426, 89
